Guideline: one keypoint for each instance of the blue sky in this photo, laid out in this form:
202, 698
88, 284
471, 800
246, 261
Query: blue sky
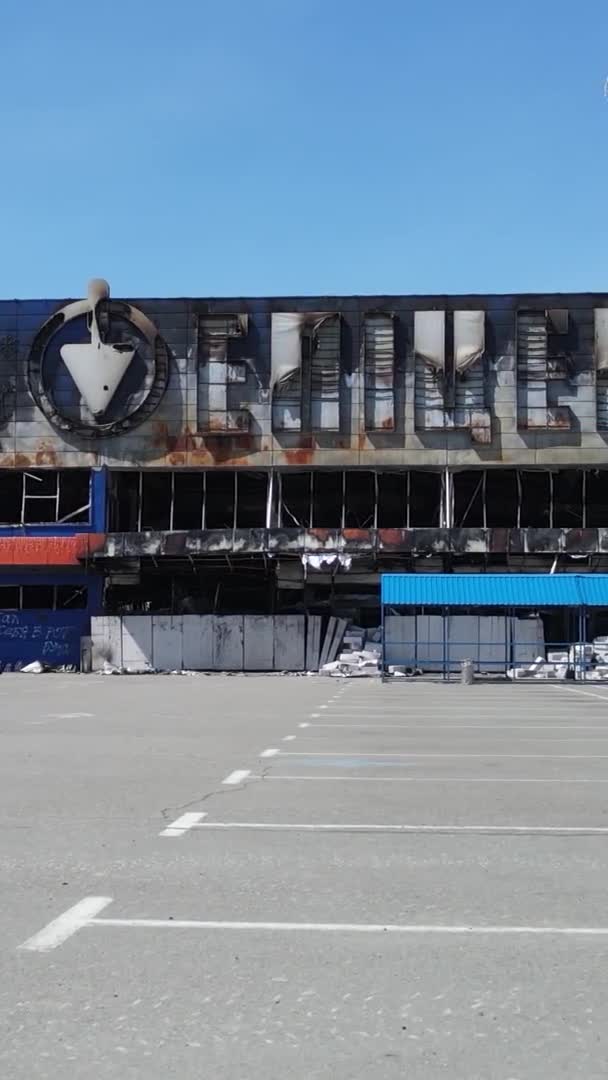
303, 146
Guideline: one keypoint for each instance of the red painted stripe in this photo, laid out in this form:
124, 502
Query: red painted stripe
49, 550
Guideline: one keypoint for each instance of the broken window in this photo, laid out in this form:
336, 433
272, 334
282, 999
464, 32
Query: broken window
359, 499
596, 498
45, 496
535, 500
156, 490
424, 499
42, 597
34, 597
508, 498
327, 500
392, 512
501, 498
305, 371
70, 597
188, 497
220, 495
379, 366
125, 501
568, 498
10, 597
222, 375
296, 499
187, 500
469, 503
252, 495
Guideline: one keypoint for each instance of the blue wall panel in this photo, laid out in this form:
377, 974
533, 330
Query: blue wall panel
50, 636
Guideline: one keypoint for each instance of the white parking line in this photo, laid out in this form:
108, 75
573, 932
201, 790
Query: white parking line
498, 728
346, 928
575, 690
490, 830
82, 916
182, 824
237, 776
288, 738
434, 779
407, 756
70, 715
62, 928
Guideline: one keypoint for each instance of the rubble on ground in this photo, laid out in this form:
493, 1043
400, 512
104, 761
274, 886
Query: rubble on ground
588, 662
361, 654
37, 667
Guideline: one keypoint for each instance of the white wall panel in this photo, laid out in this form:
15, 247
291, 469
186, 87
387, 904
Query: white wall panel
228, 643
137, 641
197, 644
289, 642
167, 636
258, 647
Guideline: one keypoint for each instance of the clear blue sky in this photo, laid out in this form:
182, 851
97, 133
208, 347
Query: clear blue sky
303, 146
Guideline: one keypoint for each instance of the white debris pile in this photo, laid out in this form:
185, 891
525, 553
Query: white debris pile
360, 656
580, 661
541, 669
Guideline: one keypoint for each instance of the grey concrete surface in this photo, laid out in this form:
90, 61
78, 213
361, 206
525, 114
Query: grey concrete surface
92, 770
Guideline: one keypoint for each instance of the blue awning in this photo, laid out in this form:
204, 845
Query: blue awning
495, 590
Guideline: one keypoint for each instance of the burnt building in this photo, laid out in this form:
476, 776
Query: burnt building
274, 455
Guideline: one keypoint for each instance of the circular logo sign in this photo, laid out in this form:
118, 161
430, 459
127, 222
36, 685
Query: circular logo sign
98, 367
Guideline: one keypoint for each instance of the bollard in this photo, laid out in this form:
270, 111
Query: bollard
466, 672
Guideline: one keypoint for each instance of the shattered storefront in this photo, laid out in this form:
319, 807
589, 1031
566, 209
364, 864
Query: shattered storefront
271, 457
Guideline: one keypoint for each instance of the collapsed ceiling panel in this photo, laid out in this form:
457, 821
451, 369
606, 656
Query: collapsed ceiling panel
287, 329
429, 337
469, 338
601, 339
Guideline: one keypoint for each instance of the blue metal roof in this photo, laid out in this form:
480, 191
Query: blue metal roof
495, 590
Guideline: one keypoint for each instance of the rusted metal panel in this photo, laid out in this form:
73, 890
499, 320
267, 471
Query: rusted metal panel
580, 541
395, 540
431, 541
540, 541
359, 539
324, 540
459, 541
287, 541
468, 541
516, 541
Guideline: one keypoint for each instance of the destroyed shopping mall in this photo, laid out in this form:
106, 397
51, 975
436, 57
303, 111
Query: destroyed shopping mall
244, 465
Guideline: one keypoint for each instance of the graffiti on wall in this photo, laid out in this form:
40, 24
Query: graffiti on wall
52, 637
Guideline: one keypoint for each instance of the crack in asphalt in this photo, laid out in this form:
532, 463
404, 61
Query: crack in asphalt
168, 811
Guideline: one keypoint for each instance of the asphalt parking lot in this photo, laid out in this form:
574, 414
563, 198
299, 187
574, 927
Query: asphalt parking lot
302, 877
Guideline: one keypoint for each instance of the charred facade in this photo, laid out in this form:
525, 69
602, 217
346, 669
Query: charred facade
275, 455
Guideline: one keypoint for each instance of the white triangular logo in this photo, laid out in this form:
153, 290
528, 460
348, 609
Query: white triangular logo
97, 369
